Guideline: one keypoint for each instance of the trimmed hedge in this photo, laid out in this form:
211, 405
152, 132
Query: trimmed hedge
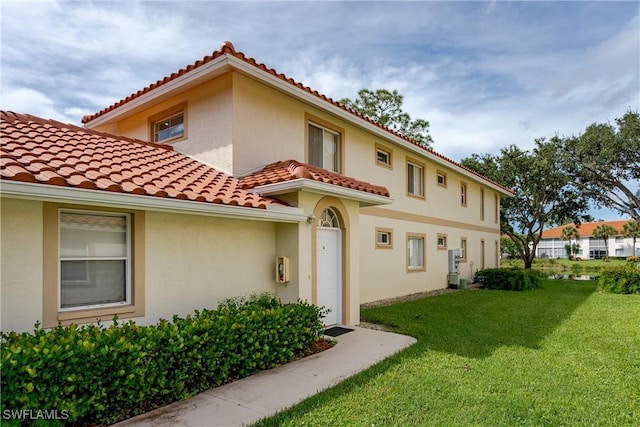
99, 375
623, 279
509, 279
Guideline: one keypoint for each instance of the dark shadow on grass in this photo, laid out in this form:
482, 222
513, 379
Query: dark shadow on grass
476, 323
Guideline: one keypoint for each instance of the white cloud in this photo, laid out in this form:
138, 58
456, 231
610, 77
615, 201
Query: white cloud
25, 100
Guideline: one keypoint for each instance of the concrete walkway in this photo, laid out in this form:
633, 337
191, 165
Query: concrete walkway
250, 399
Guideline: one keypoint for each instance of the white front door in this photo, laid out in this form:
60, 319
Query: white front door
329, 273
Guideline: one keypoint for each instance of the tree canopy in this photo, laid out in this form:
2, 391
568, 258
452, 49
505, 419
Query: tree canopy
605, 163
544, 194
385, 107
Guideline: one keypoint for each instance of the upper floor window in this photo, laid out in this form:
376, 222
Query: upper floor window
383, 156
441, 178
463, 194
169, 128
324, 147
415, 179
496, 208
482, 204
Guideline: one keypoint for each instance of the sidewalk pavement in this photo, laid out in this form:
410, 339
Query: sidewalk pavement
261, 395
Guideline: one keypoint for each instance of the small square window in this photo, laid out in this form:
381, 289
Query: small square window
384, 238
383, 156
442, 241
441, 178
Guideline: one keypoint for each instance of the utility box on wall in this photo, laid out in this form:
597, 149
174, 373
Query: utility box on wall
282, 269
454, 260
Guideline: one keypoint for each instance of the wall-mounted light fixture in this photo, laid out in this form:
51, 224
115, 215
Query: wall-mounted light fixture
311, 219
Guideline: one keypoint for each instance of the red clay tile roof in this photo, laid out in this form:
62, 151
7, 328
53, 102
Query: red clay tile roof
291, 169
227, 48
44, 151
585, 229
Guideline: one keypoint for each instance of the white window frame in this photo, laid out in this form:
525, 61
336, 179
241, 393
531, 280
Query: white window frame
441, 178
380, 243
155, 132
442, 237
463, 194
337, 155
411, 237
463, 249
412, 169
127, 258
384, 152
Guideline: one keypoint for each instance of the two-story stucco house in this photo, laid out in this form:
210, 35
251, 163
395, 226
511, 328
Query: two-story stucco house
552, 246
222, 179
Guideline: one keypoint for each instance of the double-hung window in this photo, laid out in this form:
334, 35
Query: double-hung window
324, 147
415, 179
415, 252
94, 259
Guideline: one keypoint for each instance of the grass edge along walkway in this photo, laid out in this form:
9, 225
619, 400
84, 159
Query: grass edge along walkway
562, 355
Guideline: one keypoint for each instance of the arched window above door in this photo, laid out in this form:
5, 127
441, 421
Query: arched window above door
329, 219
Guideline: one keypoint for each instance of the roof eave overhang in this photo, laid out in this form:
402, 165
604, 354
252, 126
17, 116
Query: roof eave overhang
308, 185
50, 193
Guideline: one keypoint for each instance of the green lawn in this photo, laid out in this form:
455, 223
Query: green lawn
562, 355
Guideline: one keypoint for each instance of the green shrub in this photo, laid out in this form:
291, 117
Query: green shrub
623, 279
512, 279
100, 375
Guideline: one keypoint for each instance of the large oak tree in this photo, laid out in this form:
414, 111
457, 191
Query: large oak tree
604, 162
544, 194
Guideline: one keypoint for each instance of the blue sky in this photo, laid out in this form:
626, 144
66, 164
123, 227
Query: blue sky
485, 74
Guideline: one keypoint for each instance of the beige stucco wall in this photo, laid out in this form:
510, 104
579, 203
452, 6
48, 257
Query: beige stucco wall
191, 262
268, 126
195, 261
384, 271
21, 265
